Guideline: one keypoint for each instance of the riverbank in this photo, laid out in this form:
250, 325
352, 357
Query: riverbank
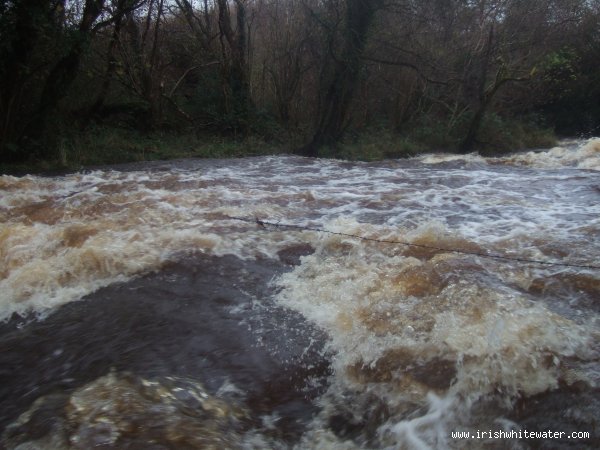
112, 145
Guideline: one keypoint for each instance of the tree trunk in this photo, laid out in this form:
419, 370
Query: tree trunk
235, 72
30, 18
483, 97
470, 140
111, 64
341, 86
42, 128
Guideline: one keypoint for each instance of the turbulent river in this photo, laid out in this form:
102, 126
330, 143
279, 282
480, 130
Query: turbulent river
170, 306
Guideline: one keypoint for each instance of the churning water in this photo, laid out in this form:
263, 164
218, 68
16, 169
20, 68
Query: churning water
138, 312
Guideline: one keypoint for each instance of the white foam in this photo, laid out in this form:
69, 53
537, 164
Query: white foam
394, 314
582, 155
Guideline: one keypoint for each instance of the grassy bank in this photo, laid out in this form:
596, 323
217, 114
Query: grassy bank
110, 145
104, 146
498, 136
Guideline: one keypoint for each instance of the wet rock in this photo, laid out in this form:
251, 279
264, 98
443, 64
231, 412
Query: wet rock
402, 367
291, 255
568, 409
204, 318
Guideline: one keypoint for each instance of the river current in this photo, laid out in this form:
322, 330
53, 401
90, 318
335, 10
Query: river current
170, 306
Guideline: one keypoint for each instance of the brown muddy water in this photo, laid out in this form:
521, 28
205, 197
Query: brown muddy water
138, 312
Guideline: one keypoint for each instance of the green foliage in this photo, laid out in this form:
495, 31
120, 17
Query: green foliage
571, 88
560, 75
100, 146
499, 135
560, 67
434, 132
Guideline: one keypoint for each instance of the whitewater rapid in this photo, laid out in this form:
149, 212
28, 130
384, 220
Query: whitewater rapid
421, 340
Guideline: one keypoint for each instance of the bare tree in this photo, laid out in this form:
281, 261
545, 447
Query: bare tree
339, 88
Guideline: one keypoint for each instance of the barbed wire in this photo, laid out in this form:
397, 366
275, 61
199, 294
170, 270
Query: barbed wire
264, 224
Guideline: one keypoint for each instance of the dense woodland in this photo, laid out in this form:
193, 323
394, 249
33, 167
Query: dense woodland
459, 75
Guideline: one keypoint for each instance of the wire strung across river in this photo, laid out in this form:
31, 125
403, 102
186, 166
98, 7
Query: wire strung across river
265, 223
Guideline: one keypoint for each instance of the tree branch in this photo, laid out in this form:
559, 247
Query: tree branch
408, 65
